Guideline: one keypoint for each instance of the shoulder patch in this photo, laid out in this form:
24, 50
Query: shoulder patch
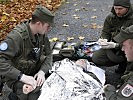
127, 91
3, 46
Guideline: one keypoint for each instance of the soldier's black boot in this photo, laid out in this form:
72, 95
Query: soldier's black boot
121, 68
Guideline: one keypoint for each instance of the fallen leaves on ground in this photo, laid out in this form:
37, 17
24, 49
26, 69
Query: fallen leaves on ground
94, 17
95, 26
81, 37
54, 39
70, 38
16, 11
85, 26
65, 25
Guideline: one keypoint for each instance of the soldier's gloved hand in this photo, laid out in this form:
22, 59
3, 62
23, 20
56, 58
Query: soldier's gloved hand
102, 41
29, 80
107, 45
40, 78
27, 88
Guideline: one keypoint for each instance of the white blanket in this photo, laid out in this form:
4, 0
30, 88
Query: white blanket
69, 82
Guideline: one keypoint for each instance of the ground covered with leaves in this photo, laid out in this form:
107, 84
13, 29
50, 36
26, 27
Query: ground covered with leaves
15, 11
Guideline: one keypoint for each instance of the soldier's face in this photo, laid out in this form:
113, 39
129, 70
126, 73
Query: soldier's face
127, 47
120, 11
44, 28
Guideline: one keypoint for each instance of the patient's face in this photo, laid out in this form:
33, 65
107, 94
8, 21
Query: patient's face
81, 62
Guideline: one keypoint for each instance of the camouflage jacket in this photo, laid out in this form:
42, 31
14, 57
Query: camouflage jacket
113, 23
23, 52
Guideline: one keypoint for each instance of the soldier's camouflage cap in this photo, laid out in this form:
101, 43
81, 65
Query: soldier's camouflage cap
44, 14
124, 34
123, 3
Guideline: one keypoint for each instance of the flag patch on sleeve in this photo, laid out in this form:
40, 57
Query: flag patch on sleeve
3, 46
127, 91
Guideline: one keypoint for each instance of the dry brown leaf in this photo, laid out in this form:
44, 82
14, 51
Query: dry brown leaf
49, 6
94, 10
54, 39
77, 9
93, 25
65, 25
85, 26
64, 13
0, 26
75, 4
94, 17
4, 13
13, 19
85, 9
67, 2
76, 17
87, 3
99, 26
49, 1
3, 18
70, 38
57, 6
81, 37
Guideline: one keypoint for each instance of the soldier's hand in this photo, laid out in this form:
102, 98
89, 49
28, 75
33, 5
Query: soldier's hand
40, 78
106, 45
102, 41
29, 80
109, 45
27, 88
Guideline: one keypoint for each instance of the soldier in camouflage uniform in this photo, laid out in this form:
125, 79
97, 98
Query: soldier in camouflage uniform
25, 55
125, 92
121, 16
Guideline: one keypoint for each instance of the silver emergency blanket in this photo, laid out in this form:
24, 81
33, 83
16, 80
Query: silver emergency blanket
69, 82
